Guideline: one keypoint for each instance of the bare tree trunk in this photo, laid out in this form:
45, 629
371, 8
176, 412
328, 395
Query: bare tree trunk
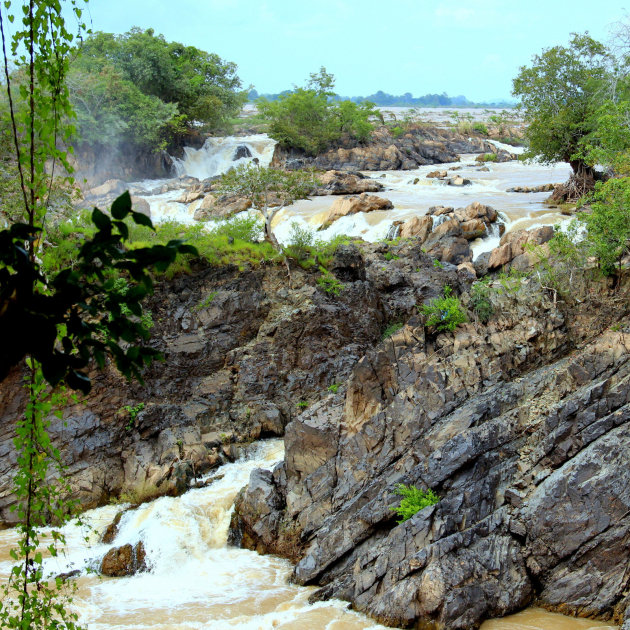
269, 235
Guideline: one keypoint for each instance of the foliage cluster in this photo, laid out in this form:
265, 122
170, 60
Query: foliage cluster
413, 500
138, 91
310, 119
445, 313
480, 302
309, 251
575, 100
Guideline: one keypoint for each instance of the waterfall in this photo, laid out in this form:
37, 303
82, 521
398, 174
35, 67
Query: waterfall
218, 155
195, 581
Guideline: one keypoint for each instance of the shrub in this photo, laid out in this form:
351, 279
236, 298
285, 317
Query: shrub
300, 241
413, 501
445, 313
329, 283
480, 301
486, 157
479, 127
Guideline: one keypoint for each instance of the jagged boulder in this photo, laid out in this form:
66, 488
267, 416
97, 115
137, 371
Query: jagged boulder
522, 427
346, 183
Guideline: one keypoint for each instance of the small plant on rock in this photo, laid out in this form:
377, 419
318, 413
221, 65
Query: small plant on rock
480, 301
329, 283
333, 388
445, 313
391, 329
413, 500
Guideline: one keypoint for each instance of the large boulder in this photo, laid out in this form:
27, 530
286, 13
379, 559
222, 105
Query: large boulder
344, 183
521, 426
351, 205
417, 227
515, 248
125, 560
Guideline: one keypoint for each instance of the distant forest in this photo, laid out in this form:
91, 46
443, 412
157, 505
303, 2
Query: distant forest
407, 99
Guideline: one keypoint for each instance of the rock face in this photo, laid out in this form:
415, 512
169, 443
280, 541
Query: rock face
125, 560
522, 427
514, 248
241, 350
420, 146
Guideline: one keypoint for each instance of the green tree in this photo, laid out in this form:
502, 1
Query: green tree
142, 91
608, 223
269, 189
310, 118
560, 94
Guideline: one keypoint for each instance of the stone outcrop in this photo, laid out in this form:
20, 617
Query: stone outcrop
515, 250
125, 560
533, 189
521, 426
346, 183
383, 152
352, 205
445, 232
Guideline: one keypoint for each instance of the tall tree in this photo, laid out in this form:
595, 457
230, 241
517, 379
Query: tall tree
560, 94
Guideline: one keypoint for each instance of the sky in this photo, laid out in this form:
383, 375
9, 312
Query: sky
473, 47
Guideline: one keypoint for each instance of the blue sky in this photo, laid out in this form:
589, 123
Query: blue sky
473, 48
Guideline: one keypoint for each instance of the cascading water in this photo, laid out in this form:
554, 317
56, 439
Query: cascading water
218, 155
195, 580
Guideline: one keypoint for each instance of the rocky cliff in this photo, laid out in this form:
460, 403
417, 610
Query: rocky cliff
521, 426
244, 352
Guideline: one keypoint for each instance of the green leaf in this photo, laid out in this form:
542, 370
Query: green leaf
142, 219
121, 206
101, 220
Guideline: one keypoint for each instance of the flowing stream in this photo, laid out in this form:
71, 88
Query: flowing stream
197, 582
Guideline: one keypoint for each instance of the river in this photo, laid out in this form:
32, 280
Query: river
411, 192
197, 582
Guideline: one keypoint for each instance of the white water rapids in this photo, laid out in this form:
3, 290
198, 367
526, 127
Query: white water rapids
411, 192
197, 582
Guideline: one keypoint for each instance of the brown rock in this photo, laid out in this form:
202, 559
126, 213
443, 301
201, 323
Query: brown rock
125, 560
110, 187
452, 227
343, 183
141, 205
451, 249
112, 530
459, 181
438, 211
519, 239
437, 174
418, 227
473, 229
500, 256
351, 205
